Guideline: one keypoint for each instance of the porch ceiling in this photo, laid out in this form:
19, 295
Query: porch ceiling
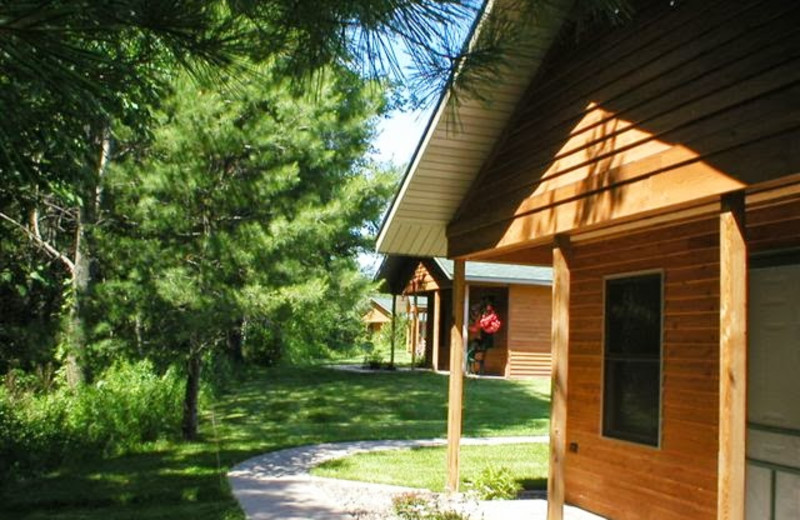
458, 140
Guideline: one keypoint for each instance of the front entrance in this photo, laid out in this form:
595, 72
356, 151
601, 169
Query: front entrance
773, 434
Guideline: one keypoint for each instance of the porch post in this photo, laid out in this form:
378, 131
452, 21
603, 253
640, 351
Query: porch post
456, 392
394, 328
732, 358
558, 394
415, 330
437, 316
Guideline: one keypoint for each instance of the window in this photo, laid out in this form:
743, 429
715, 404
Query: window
632, 358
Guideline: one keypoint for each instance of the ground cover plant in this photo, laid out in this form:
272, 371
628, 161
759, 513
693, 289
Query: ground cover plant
265, 410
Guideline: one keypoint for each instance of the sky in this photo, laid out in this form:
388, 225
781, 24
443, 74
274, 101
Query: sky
398, 136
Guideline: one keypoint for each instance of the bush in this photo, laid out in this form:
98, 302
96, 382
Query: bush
128, 405
495, 484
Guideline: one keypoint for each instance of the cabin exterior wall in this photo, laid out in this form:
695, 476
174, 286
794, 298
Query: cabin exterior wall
685, 103
678, 479
529, 317
624, 480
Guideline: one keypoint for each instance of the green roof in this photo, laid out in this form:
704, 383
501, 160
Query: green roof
385, 301
492, 272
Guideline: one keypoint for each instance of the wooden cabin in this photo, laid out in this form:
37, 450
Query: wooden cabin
521, 296
656, 166
378, 314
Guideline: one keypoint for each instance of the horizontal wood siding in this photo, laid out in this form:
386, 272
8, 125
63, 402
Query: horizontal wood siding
775, 226
529, 319
623, 480
684, 103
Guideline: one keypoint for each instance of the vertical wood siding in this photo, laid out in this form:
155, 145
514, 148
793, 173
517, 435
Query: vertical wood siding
529, 319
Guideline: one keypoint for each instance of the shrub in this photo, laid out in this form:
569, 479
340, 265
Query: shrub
495, 484
128, 405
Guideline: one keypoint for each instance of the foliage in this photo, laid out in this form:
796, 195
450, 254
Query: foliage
373, 360
266, 410
383, 338
245, 212
128, 405
83, 80
495, 483
416, 506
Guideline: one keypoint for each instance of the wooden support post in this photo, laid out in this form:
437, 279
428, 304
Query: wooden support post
415, 330
558, 395
409, 325
456, 392
394, 328
732, 358
437, 318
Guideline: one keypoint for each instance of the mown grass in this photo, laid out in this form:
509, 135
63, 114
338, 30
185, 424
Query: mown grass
380, 351
268, 410
425, 467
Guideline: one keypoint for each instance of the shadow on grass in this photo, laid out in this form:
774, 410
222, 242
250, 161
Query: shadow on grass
269, 410
310, 405
152, 484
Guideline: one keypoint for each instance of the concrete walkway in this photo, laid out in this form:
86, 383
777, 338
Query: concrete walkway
278, 486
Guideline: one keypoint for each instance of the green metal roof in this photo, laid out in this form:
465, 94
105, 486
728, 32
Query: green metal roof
385, 301
500, 273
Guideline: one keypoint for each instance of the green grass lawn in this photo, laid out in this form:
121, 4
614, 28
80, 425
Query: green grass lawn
269, 410
426, 468
402, 358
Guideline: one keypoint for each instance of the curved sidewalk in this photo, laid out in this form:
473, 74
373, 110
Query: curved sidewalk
278, 486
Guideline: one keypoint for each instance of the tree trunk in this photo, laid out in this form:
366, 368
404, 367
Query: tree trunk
190, 400
235, 340
84, 273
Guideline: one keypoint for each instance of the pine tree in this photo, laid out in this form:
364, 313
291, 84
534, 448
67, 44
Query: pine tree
248, 204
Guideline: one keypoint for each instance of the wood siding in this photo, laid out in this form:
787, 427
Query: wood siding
622, 480
683, 104
525, 311
678, 480
421, 281
529, 317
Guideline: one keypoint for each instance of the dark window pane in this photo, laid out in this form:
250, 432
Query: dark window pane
632, 395
632, 369
633, 316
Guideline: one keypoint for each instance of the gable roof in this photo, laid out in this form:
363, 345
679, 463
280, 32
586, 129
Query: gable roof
456, 143
396, 270
383, 301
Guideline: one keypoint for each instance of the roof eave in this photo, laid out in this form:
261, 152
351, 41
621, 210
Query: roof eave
407, 229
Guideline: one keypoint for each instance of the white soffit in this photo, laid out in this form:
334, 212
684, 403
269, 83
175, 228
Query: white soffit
457, 142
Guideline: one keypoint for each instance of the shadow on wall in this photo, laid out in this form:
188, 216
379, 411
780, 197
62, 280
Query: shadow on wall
632, 120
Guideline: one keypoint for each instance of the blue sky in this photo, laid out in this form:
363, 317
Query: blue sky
399, 135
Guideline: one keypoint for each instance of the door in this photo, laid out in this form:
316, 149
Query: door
773, 407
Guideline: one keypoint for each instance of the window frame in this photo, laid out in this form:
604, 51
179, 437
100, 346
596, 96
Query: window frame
660, 358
